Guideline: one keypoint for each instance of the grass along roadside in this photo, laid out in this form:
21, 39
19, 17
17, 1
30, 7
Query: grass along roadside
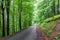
48, 27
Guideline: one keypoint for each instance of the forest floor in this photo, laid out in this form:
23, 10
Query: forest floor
34, 33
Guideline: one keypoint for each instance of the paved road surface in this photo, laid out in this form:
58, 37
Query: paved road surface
28, 34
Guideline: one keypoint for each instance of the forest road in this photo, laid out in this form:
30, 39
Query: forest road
27, 34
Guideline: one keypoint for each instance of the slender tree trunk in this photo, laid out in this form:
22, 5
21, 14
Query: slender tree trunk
13, 28
30, 19
8, 4
0, 15
3, 22
13, 18
54, 7
16, 24
20, 11
58, 6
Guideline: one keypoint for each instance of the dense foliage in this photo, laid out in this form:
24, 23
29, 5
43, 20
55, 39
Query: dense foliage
15, 15
48, 11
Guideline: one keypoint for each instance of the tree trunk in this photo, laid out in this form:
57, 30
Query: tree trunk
20, 11
58, 6
8, 4
3, 22
54, 7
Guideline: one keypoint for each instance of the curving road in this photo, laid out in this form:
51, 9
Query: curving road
27, 34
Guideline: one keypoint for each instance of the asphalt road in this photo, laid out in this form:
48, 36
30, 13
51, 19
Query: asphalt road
27, 34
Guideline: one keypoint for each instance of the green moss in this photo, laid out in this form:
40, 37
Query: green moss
52, 18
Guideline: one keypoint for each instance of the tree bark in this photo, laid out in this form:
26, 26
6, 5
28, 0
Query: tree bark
20, 11
3, 22
54, 7
58, 6
8, 4
13, 18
